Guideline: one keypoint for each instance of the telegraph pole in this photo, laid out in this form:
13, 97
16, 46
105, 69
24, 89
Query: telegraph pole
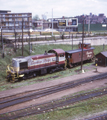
29, 38
1, 39
15, 39
82, 45
22, 36
52, 21
2, 44
72, 41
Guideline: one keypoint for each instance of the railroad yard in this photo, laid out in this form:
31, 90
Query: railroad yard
69, 94
56, 95
52, 67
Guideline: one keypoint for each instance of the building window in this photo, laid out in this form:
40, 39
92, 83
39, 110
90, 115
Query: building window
24, 15
16, 25
10, 15
99, 59
10, 24
6, 24
25, 19
10, 19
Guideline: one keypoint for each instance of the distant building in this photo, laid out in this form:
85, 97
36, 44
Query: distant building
69, 24
15, 21
37, 24
93, 19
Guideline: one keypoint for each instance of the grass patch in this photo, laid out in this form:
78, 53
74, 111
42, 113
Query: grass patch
71, 112
38, 49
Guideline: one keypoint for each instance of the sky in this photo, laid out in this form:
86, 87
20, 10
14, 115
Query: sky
68, 8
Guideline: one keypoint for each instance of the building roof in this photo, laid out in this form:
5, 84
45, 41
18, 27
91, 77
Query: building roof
104, 53
77, 50
4, 11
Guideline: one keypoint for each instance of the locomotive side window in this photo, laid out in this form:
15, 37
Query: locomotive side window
85, 46
23, 65
70, 56
61, 55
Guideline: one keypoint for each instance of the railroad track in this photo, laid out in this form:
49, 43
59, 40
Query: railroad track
53, 105
99, 117
13, 100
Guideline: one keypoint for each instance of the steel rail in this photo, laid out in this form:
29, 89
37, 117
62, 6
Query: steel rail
54, 89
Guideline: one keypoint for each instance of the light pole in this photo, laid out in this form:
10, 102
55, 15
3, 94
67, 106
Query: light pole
82, 45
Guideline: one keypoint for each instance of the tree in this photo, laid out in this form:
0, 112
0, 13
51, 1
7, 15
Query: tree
36, 18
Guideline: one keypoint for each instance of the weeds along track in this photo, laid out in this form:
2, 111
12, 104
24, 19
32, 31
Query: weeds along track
53, 105
14, 100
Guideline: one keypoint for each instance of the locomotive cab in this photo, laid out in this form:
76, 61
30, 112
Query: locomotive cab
12, 71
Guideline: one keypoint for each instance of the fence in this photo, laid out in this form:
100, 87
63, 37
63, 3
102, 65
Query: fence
93, 27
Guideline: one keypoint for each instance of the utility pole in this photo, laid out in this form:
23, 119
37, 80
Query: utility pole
1, 38
29, 37
22, 36
82, 45
2, 44
72, 41
15, 39
52, 21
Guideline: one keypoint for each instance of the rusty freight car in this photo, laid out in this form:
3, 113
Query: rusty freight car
74, 56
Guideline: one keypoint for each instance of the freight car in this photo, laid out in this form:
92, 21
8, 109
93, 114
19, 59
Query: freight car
56, 59
74, 56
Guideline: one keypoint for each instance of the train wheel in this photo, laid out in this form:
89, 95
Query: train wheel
51, 71
24, 77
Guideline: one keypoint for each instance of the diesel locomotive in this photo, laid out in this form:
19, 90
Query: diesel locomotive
53, 60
